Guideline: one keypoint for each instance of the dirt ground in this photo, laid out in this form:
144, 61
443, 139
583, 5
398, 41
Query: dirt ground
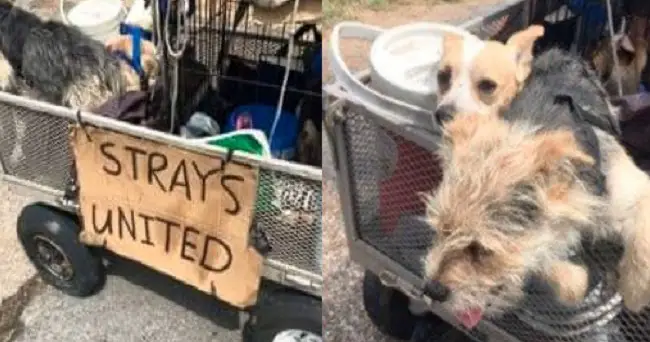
343, 316
397, 13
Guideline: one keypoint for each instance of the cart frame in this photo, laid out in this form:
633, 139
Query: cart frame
307, 281
505, 18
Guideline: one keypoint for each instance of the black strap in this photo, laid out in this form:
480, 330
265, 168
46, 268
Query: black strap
301, 31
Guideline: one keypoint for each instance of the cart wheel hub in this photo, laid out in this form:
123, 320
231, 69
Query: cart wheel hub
53, 259
295, 335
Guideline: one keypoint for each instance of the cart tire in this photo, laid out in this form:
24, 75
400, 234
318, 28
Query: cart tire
387, 308
50, 239
285, 316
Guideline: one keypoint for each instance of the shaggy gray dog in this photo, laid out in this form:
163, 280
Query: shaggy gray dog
50, 61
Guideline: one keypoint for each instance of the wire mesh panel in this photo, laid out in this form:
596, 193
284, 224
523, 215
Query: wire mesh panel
388, 171
289, 212
34, 147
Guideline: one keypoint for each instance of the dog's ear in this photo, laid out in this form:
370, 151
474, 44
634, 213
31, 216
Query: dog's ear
624, 42
523, 42
556, 150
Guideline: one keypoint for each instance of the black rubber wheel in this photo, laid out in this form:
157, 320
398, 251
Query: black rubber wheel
285, 316
387, 308
431, 328
50, 239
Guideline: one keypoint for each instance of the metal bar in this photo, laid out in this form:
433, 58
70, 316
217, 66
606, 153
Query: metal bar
423, 137
286, 275
377, 262
300, 170
32, 185
39, 192
344, 177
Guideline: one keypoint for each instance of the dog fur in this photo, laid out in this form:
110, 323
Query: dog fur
519, 192
309, 150
632, 53
50, 61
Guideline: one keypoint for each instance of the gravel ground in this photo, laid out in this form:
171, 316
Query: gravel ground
343, 316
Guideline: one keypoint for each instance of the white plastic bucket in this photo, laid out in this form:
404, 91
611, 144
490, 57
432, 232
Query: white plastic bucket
403, 60
99, 19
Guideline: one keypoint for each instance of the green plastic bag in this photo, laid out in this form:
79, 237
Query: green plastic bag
252, 141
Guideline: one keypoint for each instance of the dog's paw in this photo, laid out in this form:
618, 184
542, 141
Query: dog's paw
569, 281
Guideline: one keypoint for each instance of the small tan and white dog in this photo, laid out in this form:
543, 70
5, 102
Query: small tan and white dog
514, 198
482, 77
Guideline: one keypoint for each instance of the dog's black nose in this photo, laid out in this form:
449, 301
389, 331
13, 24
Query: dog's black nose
437, 291
444, 113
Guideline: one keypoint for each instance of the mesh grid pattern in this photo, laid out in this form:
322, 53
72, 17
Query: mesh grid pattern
34, 147
389, 170
289, 212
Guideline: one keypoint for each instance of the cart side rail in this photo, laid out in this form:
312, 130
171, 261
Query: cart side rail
35, 153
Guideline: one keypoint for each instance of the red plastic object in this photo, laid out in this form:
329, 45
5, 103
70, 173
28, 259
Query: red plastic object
416, 171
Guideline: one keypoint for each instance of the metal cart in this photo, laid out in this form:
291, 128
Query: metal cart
382, 163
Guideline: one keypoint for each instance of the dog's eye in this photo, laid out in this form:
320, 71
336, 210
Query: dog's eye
444, 77
487, 86
477, 252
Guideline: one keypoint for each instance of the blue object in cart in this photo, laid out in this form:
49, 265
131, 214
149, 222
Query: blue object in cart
593, 12
283, 144
137, 34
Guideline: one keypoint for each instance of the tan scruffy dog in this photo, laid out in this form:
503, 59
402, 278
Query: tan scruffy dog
510, 204
520, 182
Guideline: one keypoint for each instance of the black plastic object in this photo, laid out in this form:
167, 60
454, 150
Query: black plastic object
432, 328
436, 291
387, 308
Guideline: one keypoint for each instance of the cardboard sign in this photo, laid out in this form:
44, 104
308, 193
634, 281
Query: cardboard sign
182, 213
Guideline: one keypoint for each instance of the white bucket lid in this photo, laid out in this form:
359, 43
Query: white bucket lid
95, 13
403, 59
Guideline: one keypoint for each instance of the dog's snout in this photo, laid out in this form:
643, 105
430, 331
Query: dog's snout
437, 291
444, 113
